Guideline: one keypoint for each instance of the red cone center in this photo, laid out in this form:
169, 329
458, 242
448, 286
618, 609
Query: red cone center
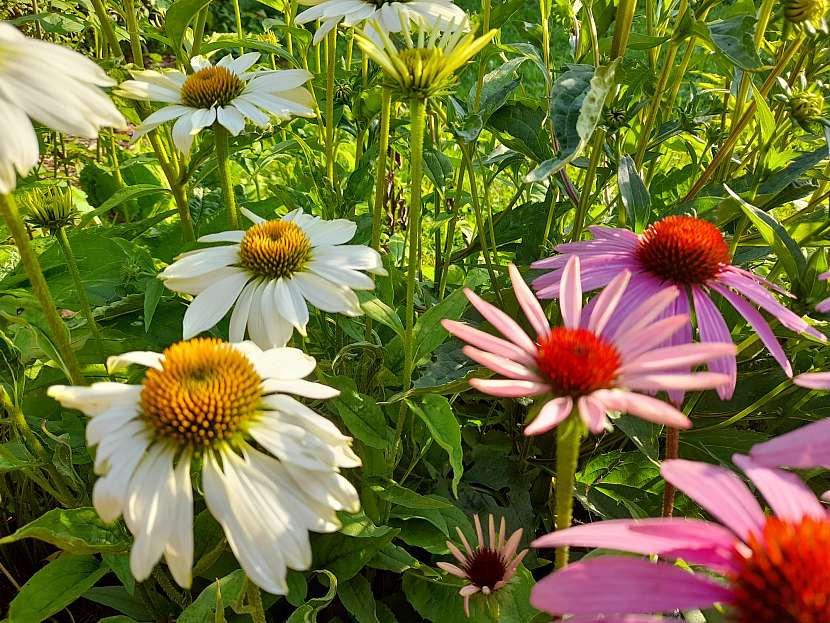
577, 361
486, 568
683, 250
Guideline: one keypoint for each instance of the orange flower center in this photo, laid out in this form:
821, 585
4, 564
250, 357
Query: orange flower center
204, 392
683, 250
786, 578
275, 249
485, 568
212, 86
577, 361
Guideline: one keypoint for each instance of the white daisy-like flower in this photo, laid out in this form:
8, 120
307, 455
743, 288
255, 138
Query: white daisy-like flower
225, 93
269, 465
56, 87
389, 16
269, 273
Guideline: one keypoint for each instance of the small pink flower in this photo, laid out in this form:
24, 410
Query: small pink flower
588, 365
824, 306
772, 569
689, 253
488, 568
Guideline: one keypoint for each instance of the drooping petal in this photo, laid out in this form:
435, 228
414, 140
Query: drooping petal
786, 493
804, 448
570, 296
551, 415
712, 328
529, 304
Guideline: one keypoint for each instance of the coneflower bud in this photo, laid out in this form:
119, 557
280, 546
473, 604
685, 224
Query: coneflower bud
806, 14
50, 208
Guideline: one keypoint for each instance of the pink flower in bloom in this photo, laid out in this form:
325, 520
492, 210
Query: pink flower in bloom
587, 365
691, 254
488, 568
772, 569
824, 306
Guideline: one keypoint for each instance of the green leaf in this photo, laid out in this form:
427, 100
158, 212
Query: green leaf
444, 429
307, 613
438, 167
356, 596
428, 333
54, 587
776, 237
179, 15
766, 120
522, 128
152, 296
579, 96
14, 457
633, 193
117, 598
734, 37
395, 493
380, 312
346, 552
120, 196
497, 87
204, 606
77, 530
361, 414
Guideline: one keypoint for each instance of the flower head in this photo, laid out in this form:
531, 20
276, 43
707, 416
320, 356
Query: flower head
772, 569
805, 102
487, 568
388, 15
50, 208
225, 93
425, 66
224, 410
586, 364
688, 253
54, 86
269, 272
824, 306
806, 14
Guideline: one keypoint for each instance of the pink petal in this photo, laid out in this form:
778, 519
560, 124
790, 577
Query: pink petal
617, 585
813, 380
451, 569
618, 618
712, 328
507, 388
720, 492
548, 287
502, 322
682, 355
456, 553
788, 496
570, 297
623, 238
529, 304
607, 301
592, 413
551, 415
806, 447
648, 311
824, 306
754, 318
636, 342
488, 342
500, 365
645, 407
825, 276
669, 382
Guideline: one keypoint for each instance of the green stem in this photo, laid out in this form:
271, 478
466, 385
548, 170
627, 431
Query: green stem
80, 290
331, 59
590, 175
672, 452
417, 125
289, 22
568, 437
482, 64
106, 26
60, 334
622, 27
210, 557
199, 31
380, 181
39, 33
648, 123
459, 189
237, 14
223, 162
132, 28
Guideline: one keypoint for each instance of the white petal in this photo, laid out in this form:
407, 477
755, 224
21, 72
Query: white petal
326, 295
179, 550
230, 118
145, 358
290, 304
210, 306
299, 387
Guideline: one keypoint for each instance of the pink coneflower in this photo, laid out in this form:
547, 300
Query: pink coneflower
772, 569
488, 568
824, 306
586, 365
691, 254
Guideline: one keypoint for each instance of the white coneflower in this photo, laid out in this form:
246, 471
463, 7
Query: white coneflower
269, 273
225, 93
202, 406
54, 86
388, 15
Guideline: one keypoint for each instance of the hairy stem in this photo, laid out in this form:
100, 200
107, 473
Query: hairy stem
568, 437
225, 174
331, 60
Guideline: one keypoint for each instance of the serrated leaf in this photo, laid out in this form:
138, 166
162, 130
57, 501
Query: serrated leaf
77, 530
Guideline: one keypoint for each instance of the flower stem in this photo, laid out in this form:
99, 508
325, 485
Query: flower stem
60, 334
331, 59
622, 29
106, 26
417, 126
590, 175
482, 64
223, 161
237, 14
672, 452
568, 437
132, 28
80, 290
380, 180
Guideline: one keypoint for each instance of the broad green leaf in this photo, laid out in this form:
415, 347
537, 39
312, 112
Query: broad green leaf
780, 180
380, 312
497, 87
438, 167
634, 194
117, 598
395, 493
152, 296
428, 333
766, 120
54, 587
356, 596
436, 412
77, 530
579, 97
120, 196
346, 552
14, 457
307, 613
774, 234
178, 17
204, 607
361, 414
522, 128
233, 43
734, 37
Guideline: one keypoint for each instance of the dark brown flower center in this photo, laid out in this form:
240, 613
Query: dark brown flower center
486, 568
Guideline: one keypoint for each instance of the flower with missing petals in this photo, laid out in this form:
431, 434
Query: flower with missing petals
587, 366
270, 466
269, 272
692, 255
489, 567
225, 93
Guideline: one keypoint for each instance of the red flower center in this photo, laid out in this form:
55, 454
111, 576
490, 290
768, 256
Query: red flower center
486, 568
786, 578
683, 250
577, 361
